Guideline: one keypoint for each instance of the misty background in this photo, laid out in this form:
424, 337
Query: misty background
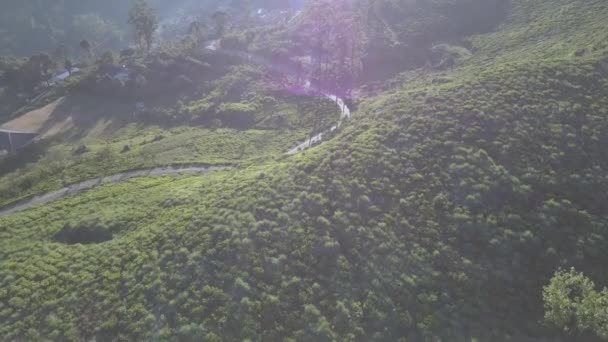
34, 26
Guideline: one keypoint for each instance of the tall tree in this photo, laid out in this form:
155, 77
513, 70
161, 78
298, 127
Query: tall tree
145, 22
96, 30
198, 30
220, 18
68, 66
60, 53
37, 69
330, 30
86, 48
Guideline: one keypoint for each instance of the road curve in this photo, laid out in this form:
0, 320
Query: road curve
345, 113
92, 183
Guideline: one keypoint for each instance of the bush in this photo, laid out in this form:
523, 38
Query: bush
238, 115
85, 235
448, 56
234, 41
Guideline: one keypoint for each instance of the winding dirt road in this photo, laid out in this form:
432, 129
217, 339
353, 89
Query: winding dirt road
345, 113
92, 183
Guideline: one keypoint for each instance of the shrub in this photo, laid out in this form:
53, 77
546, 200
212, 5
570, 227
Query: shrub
238, 115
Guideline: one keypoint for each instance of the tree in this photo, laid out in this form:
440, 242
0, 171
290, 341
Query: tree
96, 30
197, 32
86, 48
10, 72
333, 33
330, 30
37, 69
85, 45
60, 53
108, 58
12, 78
198, 29
145, 22
573, 304
127, 53
68, 66
220, 18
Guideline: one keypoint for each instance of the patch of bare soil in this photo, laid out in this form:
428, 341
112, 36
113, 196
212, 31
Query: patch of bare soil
33, 121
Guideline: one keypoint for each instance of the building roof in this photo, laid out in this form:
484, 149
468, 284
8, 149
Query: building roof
65, 74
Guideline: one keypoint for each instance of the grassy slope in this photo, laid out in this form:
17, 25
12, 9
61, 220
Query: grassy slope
441, 213
547, 30
187, 145
107, 128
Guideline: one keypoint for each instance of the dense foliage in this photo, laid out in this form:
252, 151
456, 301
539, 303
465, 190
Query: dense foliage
401, 34
573, 303
28, 27
441, 212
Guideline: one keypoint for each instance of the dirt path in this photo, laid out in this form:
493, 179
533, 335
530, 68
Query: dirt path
34, 120
345, 113
92, 183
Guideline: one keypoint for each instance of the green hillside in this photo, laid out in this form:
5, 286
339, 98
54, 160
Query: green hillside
440, 212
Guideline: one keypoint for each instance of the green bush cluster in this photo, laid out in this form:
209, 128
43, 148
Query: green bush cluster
573, 304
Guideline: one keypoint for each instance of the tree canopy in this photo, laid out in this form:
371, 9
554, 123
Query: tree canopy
145, 23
